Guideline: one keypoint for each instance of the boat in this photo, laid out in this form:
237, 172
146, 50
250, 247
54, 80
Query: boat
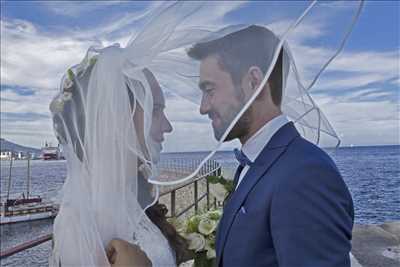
26, 207
50, 152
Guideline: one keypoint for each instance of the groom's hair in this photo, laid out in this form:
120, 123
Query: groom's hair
238, 51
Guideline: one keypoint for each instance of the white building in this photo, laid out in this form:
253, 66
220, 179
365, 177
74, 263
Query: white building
20, 155
6, 155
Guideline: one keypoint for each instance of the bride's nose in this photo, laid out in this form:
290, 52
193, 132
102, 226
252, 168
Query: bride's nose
167, 127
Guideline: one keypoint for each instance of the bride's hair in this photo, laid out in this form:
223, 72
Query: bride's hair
157, 214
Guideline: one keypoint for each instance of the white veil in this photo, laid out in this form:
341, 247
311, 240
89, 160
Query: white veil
104, 113
102, 118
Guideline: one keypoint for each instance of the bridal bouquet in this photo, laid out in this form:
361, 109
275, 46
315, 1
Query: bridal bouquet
200, 229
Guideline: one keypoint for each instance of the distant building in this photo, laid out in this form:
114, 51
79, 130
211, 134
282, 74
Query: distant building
7, 155
20, 155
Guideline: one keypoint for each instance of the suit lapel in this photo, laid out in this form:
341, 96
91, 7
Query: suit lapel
264, 161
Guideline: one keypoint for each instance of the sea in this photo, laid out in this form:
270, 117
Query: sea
371, 173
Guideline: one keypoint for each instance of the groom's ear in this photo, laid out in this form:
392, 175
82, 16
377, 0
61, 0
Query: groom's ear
255, 76
251, 81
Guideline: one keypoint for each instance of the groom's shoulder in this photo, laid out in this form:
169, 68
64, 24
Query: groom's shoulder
306, 166
306, 154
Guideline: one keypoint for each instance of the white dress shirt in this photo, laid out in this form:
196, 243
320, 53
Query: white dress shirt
256, 143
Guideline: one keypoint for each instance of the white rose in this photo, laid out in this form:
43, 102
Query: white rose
67, 83
66, 96
57, 105
214, 214
210, 247
218, 191
196, 241
207, 226
211, 253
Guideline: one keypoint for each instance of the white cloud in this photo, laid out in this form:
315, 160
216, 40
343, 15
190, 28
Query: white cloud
349, 69
36, 103
363, 123
396, 81
362, 95
344, 83
77, 8
29, 133
33, 59
368, 62
32, 132
36, 59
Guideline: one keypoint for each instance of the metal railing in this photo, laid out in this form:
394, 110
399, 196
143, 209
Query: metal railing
26, 245
211, 168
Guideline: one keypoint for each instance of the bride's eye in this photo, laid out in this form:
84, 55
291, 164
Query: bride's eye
157, 111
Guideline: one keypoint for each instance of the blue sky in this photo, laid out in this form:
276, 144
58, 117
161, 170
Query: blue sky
359, 92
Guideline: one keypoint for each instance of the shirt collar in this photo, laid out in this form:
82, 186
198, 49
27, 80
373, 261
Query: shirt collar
253, 147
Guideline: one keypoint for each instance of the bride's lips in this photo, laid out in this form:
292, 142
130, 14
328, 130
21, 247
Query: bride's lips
214, 119
215, 122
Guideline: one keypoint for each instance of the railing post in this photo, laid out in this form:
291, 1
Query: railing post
9, 180
173, 203
29, 179
208, 194
196, 206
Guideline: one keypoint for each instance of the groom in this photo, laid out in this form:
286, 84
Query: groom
291, 206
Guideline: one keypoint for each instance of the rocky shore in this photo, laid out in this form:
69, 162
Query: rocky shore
376, 245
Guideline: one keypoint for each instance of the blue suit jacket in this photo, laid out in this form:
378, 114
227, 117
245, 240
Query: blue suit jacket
292, 208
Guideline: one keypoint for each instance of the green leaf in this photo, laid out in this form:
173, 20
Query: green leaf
193, 224
70, 74
213, 179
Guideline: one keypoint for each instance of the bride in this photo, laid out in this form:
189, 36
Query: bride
112, 137
109, 119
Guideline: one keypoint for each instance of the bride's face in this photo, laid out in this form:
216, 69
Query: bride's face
159, 124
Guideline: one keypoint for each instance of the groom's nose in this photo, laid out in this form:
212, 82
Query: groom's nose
205, 105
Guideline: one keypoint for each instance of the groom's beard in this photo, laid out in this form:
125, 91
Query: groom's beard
155, 150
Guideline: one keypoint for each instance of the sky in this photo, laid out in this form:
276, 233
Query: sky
358, 92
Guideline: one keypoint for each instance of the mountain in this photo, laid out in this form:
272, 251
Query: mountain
7, 146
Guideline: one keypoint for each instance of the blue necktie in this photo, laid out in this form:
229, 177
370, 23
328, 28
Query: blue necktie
243, 162
241, 158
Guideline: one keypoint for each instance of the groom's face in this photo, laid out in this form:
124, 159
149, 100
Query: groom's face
221, 99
